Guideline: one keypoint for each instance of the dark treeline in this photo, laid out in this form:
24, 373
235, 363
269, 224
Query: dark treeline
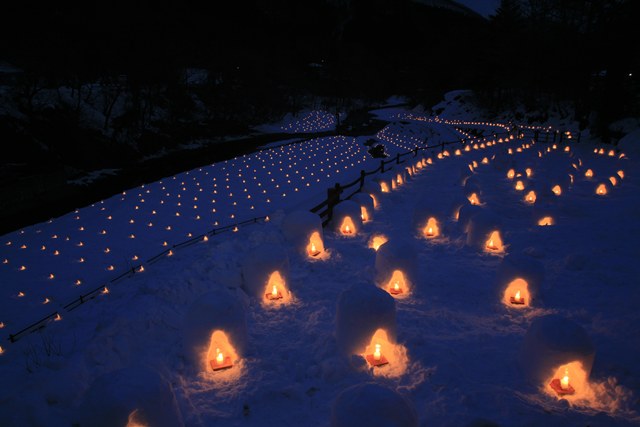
118, 78
576, 51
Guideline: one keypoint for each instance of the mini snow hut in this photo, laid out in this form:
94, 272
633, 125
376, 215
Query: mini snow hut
265, 275
346, 218
303, 229
366, 206
215, 331
519, 279
557, 355
362, 310
396, 267
133, 396
484, 233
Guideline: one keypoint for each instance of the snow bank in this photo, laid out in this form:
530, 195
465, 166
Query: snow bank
214, 320
372, 405
362, 310
130, 396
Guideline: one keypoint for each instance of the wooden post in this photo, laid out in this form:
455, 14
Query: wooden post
398, 159
333, 197
536, 134
579, 135
442, 147
362, 175
381, 166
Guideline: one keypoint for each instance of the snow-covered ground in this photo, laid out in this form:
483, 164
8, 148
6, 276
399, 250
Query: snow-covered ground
453, 344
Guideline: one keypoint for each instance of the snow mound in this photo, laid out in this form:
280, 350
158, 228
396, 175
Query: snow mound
130, 396
426, 215
303, 229
372, 405
551, 342
346, 218
484, 232
264, 267
518, 272
366, 205
362, 310
397, 263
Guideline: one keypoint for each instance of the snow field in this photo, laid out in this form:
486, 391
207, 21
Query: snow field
457, 342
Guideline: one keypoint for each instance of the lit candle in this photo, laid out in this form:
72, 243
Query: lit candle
517, 297
376, 353
564, 382
219, 356
274, 291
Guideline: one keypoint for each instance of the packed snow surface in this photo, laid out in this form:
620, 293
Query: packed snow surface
453, 344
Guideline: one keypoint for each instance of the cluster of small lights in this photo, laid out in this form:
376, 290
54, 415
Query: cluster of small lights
51, 263
313, 121
405, 138
116, 234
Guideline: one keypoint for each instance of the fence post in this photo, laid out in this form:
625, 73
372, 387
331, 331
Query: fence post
579, 135
561, 135
415, 152
362, 175
333, 197
536, 134
442, 147
398, 159
381, 166
554, 135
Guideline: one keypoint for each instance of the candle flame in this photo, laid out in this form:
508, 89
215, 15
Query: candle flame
219, 356
376, 353
517, 297
564, 382
274, 291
